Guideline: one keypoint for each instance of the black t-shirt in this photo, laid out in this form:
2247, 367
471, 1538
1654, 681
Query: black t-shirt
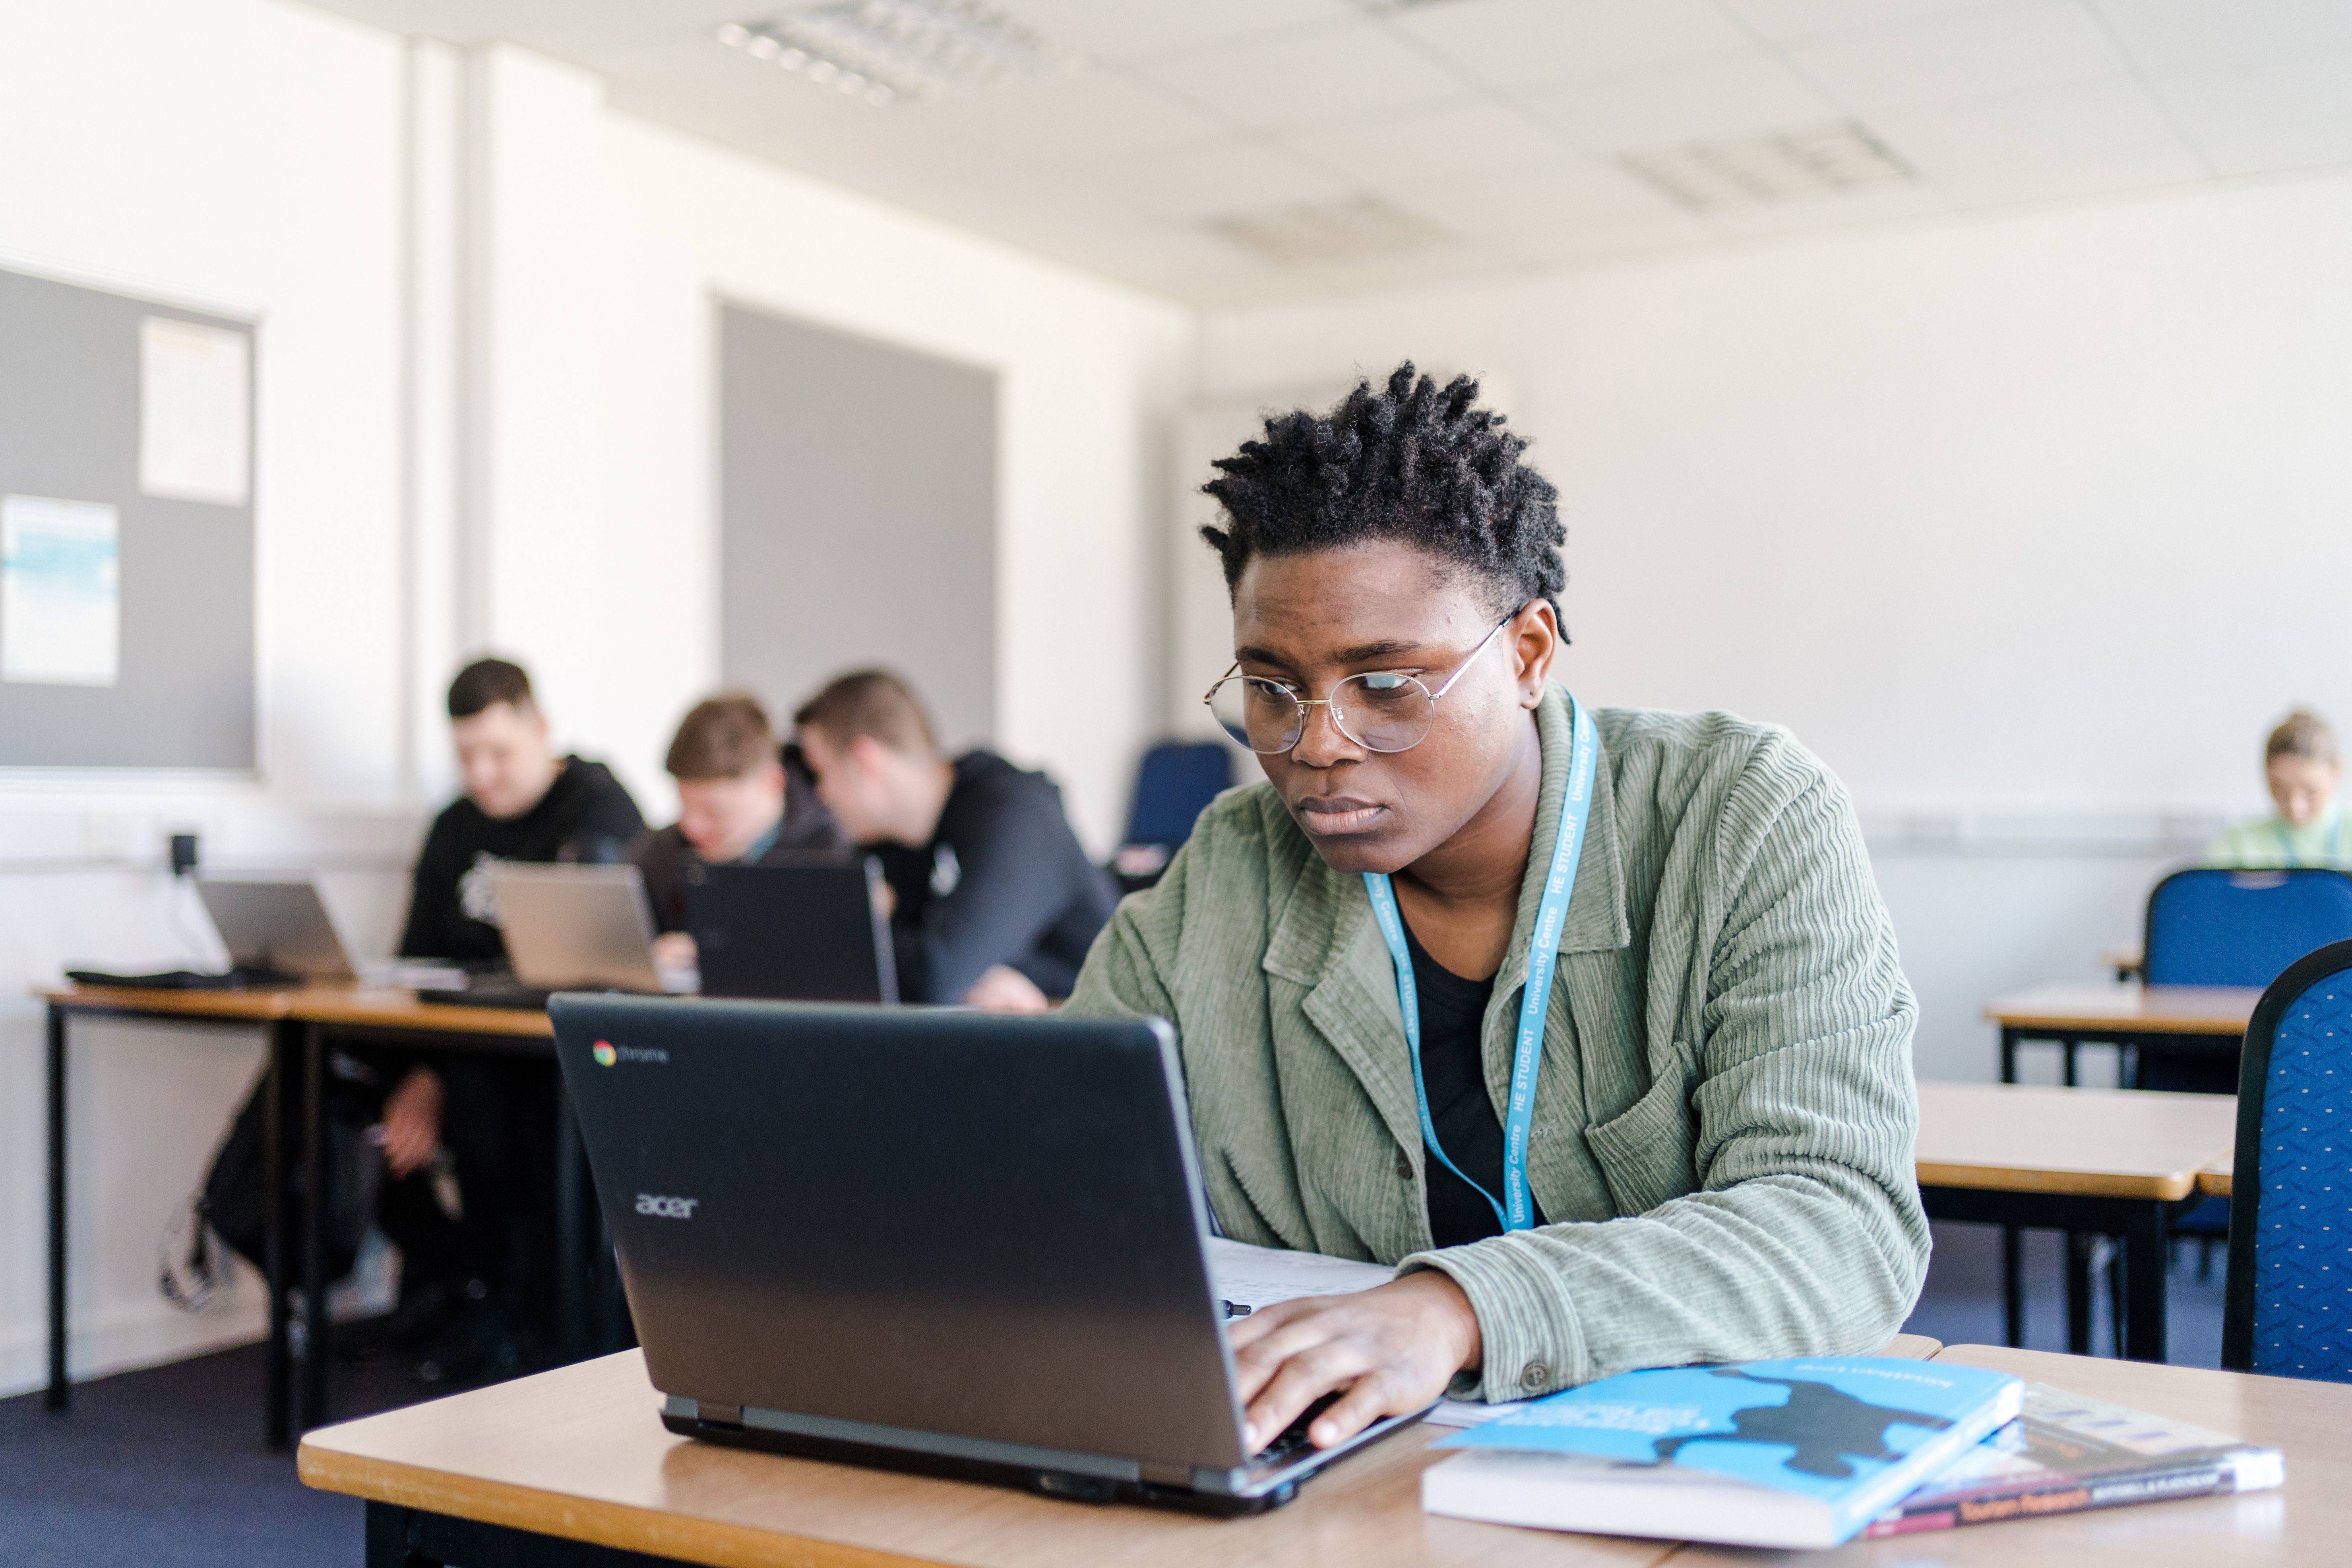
1004, 880
1452, 1013
584, 816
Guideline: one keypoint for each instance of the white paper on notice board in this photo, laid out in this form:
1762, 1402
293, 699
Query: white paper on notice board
195, 411
60, 602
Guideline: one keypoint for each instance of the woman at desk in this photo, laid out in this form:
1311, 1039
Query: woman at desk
2303, 767
1590, 1020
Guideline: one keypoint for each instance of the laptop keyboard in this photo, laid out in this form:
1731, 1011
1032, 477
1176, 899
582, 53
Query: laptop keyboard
1292, 1444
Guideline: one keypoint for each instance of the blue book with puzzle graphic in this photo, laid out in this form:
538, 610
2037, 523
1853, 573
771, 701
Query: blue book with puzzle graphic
1798, 1453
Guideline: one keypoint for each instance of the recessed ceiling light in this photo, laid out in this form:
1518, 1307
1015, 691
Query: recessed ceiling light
1328, 231
1780, 166
883, 50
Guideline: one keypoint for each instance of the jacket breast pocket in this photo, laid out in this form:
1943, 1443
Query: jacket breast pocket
1646, 1151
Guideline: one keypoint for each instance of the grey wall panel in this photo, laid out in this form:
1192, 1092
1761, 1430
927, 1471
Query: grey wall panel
858, 511
70, 370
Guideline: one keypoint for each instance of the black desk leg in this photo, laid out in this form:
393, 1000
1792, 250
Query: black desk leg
2009, 1039
2067, 1049
2012, 1287
60, 1394
277, 1401
2143, 1264
571, 1240
2078, 1292
316, 1205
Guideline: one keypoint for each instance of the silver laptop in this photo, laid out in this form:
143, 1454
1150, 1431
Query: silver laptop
927, 1238
276, 926
575, 927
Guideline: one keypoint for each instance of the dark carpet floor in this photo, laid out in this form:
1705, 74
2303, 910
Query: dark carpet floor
167, 1466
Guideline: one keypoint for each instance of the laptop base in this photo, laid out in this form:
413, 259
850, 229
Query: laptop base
1046, 1483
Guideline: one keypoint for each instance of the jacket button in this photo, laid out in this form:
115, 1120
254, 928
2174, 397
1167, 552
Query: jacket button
1534, 1375
1405, 1166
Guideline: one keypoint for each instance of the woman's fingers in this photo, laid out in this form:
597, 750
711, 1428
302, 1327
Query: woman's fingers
1304, 1378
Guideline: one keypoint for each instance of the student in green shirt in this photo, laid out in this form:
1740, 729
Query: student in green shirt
2303, 767
1588, 1020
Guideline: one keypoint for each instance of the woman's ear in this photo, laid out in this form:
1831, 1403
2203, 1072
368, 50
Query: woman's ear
1534, 644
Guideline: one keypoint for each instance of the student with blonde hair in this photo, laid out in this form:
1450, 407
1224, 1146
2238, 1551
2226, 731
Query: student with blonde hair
2303, 766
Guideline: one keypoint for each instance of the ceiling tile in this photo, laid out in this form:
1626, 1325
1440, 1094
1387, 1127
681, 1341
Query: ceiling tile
2070, 176
1726, 96
2205, 33
1085, 117
1783, 19
1320, 74
2068, 122
1534, 211
1520, 43
1844, 210
1472, 138
1979, 54
1124, 29
1228, 177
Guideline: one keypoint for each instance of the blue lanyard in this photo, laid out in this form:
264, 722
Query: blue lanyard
1516, 1211
2334, 843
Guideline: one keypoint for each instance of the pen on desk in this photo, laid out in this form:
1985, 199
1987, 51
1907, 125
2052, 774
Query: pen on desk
1233, 1309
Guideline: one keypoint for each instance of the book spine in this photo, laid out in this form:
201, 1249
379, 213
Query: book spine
1855, 1513
2059, 1494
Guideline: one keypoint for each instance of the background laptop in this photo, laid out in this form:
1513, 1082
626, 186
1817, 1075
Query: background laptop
802, 933
931, 1240
566, 928
275, 928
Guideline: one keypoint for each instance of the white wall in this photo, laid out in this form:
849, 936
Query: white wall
2030, 526
485, 377
242, 156
1088, 373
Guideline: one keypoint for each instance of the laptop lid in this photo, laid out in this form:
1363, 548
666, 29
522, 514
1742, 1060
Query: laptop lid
800, 933
909, 1220
575, 925
277, 926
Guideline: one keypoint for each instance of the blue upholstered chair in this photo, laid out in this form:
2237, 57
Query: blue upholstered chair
2212, 927
2289, 1311
1177, 779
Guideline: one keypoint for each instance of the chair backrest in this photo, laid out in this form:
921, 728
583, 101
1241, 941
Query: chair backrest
2242, 927
2289, 1307
1177, 779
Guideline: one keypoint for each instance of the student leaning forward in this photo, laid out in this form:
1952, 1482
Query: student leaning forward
1589, 1019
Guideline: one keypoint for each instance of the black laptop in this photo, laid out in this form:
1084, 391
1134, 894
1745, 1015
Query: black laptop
810, 932
938, 1240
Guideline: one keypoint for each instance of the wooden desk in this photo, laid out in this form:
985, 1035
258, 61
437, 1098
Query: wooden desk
579, 1454
2201, 1019
2087, 1160
2303, 1523
2214, 1179
298, 1021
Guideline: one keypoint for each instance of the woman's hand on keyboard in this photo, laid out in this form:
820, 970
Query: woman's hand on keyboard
1392, 1350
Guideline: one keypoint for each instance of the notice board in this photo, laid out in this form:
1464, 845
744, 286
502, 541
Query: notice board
126, 531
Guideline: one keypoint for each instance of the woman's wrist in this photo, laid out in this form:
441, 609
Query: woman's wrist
1453, 1321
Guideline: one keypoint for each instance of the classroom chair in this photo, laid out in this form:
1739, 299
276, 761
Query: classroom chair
1177, 779
2288, 1312
2208, 927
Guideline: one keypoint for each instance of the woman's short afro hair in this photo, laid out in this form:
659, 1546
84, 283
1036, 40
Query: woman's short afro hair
1413, 462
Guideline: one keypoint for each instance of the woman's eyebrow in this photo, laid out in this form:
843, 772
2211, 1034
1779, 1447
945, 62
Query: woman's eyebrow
1361, 653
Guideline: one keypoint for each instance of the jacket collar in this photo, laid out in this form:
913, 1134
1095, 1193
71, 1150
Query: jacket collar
1325, 938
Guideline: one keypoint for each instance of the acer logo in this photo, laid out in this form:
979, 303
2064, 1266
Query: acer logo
666, 1208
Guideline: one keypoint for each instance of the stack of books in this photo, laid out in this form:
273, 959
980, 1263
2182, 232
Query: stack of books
1814, 1451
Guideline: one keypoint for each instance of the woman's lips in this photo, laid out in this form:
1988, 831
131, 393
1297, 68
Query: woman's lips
1338, 816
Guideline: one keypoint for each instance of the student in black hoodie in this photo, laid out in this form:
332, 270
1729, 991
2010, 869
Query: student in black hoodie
740, 802
995, 902
482, 1119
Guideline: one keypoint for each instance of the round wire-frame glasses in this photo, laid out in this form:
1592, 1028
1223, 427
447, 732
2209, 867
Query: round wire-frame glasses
1382, 710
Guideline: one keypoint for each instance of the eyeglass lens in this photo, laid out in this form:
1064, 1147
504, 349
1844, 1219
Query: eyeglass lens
1379, 712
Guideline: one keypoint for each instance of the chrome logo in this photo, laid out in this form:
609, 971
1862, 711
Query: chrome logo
605, 1054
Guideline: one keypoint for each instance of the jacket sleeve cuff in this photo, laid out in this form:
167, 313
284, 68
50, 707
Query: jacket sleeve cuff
1533, 1343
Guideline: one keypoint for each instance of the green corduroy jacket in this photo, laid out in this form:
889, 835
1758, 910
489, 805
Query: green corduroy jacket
1724, 1118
